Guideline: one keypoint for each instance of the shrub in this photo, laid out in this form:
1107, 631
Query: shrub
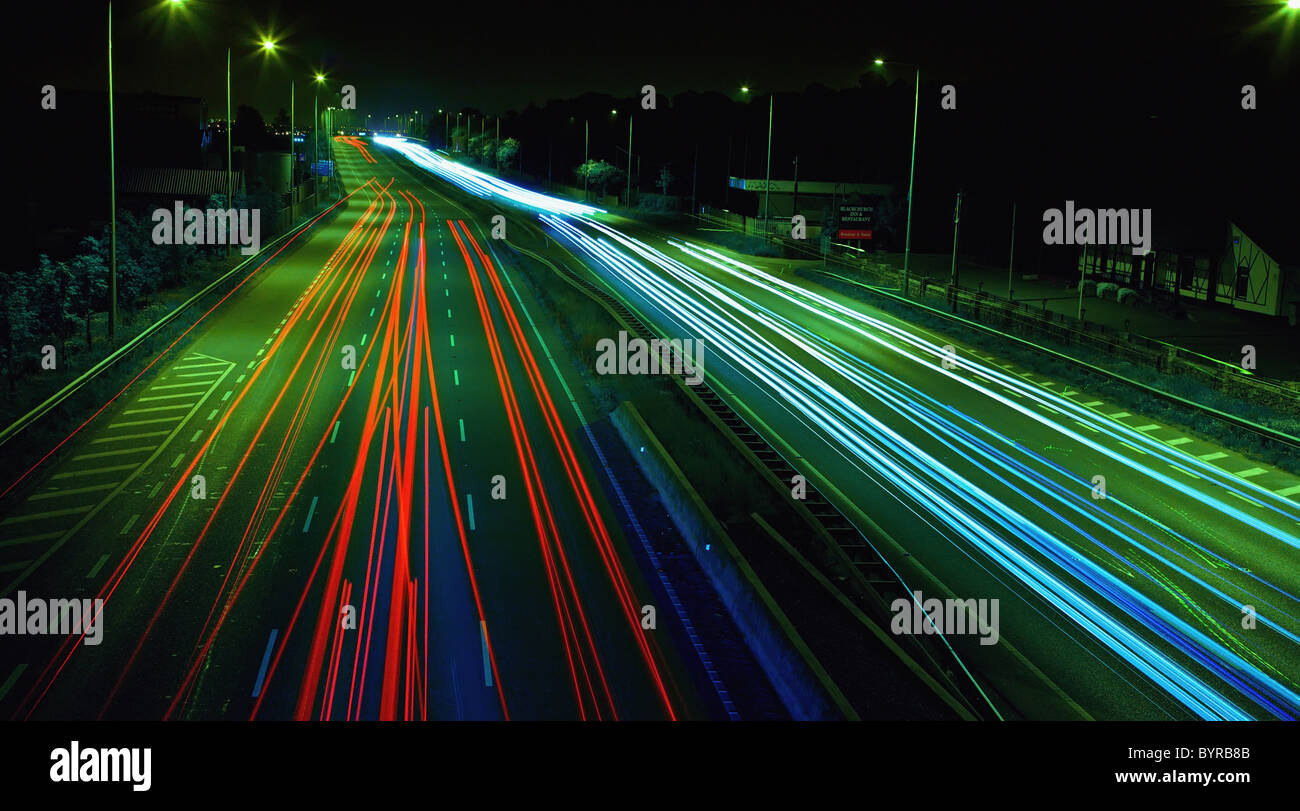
1107, 290
1126, 295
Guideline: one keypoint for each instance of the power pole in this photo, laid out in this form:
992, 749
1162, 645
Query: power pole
796, 185
1012, 261
956, 228
767, 190
629, 160
586, 142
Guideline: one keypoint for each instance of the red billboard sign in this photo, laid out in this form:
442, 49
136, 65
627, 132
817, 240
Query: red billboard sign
854, 233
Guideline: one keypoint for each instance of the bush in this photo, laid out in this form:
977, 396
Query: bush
1126, 295
1107, 290
1089, 287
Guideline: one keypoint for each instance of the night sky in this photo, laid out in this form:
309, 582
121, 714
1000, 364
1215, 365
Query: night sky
501, 56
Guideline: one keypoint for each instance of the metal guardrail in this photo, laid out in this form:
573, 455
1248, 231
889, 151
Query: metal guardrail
54, 400
1231, 419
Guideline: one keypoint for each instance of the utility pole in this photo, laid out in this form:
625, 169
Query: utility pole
956, 228
767, 190
629, 160
498, 149
796, 185
586, 142
293, 163
1083, 269
1012, 261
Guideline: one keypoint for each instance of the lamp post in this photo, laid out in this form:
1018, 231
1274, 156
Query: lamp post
767, 188
112, 193
911, 177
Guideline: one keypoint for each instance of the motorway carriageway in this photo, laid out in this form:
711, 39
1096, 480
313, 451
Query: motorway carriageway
337, 490
1128, 606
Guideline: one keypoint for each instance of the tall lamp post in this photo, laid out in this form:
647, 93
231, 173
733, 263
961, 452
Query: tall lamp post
911, 176
112, 193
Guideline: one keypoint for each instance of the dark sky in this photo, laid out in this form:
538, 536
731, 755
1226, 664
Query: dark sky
498, 56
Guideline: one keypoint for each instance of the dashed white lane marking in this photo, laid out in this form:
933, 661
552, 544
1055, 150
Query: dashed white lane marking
1251, 471
1210, 457
1182, 440
1289, 491
1149, 427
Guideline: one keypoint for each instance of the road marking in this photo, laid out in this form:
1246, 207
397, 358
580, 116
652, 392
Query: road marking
455, 375
1251, 471
240, 379
72, 492
1150, 427
211, 415
1093, 404
15, 566
102, 454
94, 570
1210, 457
199, 366
168, 396
226, 396
372, 312
1182, 440
462, 430
128, 436
19, 519
1290, 491
142, 422
261, 352
364, 337
1119, 415
155, 408
351, 376
310, 512
1086, 425
335, 434
202, 374
487, 659
266, 660
130, 521
44, 536
92, 471
197, 434
449, 312
470, 499
179, 385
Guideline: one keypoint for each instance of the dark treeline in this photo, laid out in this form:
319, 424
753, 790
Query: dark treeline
1181, 146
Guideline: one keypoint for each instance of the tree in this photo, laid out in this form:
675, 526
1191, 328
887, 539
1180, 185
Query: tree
665, 179
507, 150
599, 174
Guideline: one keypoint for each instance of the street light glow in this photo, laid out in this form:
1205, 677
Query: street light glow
880, 61
268, 45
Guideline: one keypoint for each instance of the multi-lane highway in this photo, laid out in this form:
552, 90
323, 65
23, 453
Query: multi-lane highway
362, 488
350, 411
1141, 571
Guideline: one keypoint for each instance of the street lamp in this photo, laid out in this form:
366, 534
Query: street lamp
911, 176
